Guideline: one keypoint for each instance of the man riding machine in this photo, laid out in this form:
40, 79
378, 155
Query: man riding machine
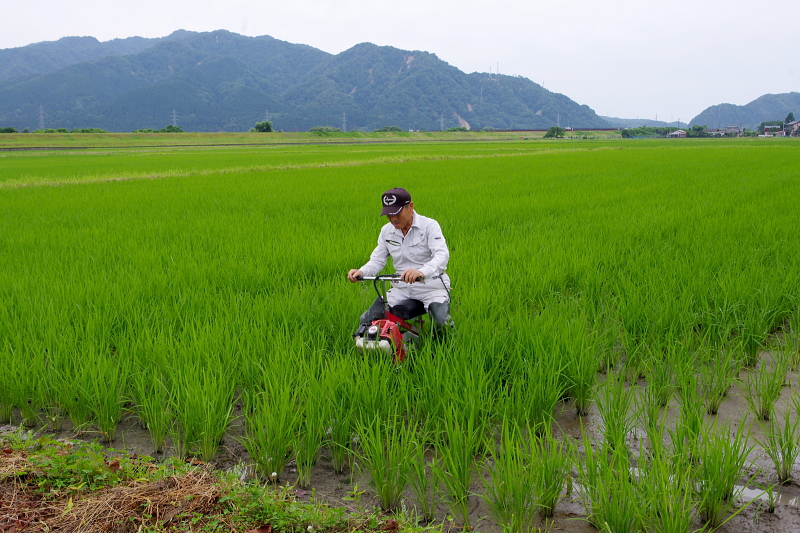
420, 255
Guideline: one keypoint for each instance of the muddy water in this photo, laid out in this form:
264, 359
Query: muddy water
331, 488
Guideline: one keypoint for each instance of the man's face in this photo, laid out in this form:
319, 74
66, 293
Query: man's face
404, 218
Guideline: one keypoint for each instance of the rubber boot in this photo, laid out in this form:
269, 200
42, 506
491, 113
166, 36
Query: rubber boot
440, 314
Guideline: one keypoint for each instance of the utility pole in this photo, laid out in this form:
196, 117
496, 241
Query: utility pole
441, 122
174, 118
344, 121
41, 117
558, 120
266, 115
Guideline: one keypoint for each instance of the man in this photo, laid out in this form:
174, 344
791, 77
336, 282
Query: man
418, 250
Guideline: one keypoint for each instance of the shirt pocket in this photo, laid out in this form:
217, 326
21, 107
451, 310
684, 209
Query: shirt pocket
417, 249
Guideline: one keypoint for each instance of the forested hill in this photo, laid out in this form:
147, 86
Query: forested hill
224, 81
765, 108
29, 61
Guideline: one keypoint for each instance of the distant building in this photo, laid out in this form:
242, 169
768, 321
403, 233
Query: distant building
776, 131
733, 131
730, 131
677, 134
792, 129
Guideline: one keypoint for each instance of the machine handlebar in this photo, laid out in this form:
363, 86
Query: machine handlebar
385, 277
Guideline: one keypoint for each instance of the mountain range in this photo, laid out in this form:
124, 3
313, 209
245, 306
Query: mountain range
219, 80
764, 108
637, 122
222, 81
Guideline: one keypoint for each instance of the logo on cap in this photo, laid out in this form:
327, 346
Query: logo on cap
389, 199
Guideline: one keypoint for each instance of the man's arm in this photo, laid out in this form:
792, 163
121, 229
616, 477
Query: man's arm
440, 255
378, 258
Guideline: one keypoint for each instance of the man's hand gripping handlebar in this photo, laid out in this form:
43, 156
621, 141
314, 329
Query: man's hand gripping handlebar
411, 275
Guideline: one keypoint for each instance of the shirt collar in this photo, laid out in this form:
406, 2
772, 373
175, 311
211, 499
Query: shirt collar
414, 224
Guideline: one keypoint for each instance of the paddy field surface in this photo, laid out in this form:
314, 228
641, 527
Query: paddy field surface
625, 353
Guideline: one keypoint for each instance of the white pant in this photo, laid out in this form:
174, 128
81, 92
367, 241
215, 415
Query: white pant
431, 291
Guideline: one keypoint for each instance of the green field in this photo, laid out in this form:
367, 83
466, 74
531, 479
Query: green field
645, 282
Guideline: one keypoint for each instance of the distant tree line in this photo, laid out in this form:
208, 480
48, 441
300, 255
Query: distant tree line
57, 130
168, 129
555, 133
262, 127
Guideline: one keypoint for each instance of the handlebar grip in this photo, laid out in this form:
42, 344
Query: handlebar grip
360, 278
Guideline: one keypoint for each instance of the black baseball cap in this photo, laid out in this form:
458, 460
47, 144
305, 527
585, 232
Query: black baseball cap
394, 200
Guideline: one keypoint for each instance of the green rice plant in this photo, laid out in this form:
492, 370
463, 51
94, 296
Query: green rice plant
655, 427
668, 501
270, 426
532, 397
22, 380
689, 426
763, 388
9, 382
152, 397
386, 449
510, 493
582, 375
659, 372
421, 477
44, 387
718, 471
607, 490
428, 372
552, 461
75, 388
202, 403
636, 351
781, 442
616, 403
338, 382
457, 445
756, 322
772, 495
373, 388
791, 340
605, 332
310, 435
790, 349
718, 371
107, 387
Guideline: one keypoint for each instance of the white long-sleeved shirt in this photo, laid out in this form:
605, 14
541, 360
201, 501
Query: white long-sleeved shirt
423, 248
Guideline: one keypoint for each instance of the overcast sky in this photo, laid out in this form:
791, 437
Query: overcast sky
623, 58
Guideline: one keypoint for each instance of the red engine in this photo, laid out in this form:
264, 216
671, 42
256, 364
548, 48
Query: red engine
383, 335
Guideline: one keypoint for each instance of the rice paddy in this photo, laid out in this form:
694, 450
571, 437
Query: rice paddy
646, 292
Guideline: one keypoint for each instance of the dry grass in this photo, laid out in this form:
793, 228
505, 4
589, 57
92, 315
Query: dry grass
126, 508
